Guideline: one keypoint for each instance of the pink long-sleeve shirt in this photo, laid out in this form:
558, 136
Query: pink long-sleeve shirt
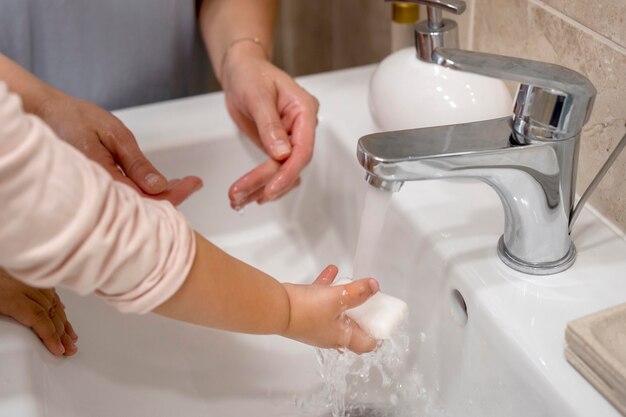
65, 222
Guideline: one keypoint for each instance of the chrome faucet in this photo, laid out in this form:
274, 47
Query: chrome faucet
529, 159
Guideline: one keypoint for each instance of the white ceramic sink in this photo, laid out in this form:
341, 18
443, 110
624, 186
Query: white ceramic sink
439, 241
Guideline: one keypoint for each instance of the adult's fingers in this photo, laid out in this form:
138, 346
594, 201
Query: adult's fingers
255, 196
286, 190
263, 109
300, 117
176, 191
120, 177
69, 329
179, 190
55, 317
57, 314
327, 276
35, 317
122, 145
104, 158
50, 302
60, 307
289, 171
242, 189
43, 297
69, 345
46, 300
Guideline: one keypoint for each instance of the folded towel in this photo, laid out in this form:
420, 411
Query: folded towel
597, 349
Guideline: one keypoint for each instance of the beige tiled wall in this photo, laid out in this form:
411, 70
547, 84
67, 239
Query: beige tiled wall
589, 37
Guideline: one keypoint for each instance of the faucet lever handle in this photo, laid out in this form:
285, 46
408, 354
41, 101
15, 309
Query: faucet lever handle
552, 103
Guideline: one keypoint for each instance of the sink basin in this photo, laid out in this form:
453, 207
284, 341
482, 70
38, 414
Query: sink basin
485, 340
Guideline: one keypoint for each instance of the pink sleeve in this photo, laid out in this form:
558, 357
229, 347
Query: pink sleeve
65, 222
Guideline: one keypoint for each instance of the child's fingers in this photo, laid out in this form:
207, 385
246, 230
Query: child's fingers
327, 276
361, 342
355, 293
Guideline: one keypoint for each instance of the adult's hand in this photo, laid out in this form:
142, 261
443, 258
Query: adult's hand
103, 138
276, 113
40, 310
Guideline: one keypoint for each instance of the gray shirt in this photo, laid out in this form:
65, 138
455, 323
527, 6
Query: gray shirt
116, 53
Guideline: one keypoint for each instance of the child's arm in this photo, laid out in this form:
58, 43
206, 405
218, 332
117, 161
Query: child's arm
225, 293
65, 221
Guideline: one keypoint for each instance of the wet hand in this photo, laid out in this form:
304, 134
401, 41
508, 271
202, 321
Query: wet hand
103, 138
277, 114
317, 312
40, 310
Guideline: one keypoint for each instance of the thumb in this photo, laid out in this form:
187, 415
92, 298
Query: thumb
137, 167
272, 133
356, 293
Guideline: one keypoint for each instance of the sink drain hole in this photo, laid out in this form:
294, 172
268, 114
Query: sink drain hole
458, 307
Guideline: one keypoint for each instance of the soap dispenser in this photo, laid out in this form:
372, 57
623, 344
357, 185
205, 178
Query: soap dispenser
408, 90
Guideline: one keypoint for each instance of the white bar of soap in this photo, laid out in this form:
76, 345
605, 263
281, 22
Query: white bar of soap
380, 315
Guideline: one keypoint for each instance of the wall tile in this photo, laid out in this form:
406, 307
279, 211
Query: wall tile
605, 67
501, 29
606, 17
525, 30
465, 25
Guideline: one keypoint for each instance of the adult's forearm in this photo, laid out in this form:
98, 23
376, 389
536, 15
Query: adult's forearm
224, 21
33, 91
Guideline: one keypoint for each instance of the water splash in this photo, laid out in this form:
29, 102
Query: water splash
375, 384
383, 383
354, 383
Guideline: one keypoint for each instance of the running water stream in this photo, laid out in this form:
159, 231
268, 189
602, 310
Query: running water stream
383, 383
372, 221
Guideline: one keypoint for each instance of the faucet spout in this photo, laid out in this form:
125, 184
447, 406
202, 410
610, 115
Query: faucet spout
381, 184
535, 181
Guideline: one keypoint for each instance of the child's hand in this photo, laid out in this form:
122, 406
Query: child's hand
317, 312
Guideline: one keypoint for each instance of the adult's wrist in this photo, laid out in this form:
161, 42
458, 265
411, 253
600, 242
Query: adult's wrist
43, 102
239, 50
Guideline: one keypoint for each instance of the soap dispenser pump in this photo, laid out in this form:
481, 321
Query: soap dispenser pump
408, 90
